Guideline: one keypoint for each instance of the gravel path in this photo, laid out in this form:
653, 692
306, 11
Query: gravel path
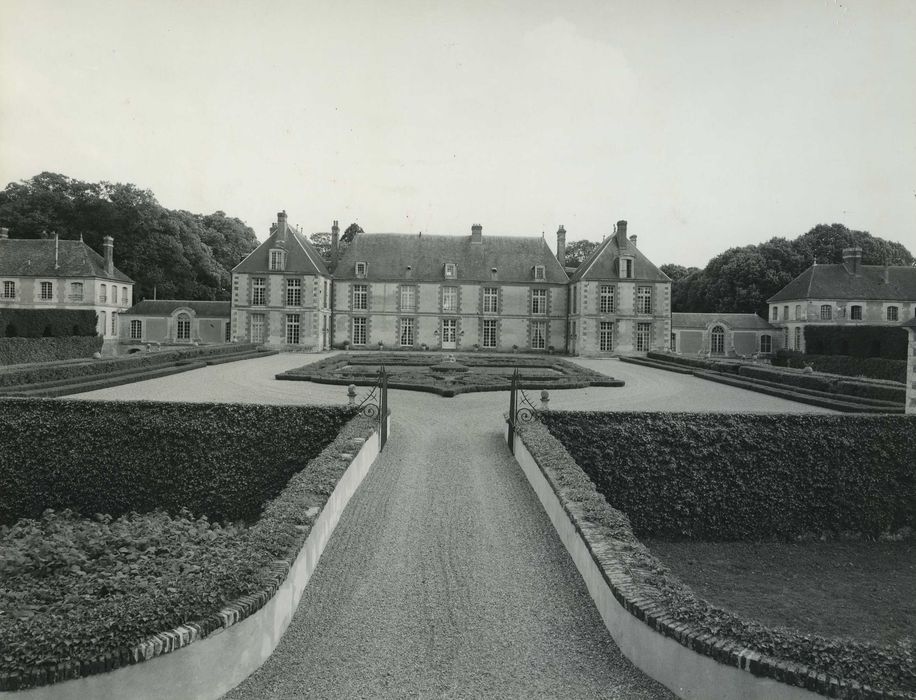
444, 576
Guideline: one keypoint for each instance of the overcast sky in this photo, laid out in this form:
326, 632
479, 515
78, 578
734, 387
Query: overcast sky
704, 124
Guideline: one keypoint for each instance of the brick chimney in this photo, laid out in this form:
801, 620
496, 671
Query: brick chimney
335, 244
561, 245
4, 232
852, 260
633, 240
281, 226
621, 233
476, 233
108, 248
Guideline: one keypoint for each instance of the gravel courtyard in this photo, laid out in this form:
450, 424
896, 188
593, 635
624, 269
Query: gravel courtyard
444, 576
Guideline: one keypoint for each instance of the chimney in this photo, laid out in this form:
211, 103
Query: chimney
4, 232
621, 233
476, 233
57, 252
561, 245
633, 240
281, 226
852, 260
108, 248
335, 244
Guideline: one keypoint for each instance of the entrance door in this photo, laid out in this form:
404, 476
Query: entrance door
449, 333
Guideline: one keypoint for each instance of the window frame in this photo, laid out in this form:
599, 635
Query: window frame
407, 329
451, 271
605, 336
46, 296
826, 312
277, 261
75, 295
896, 313
361, 269
359, 300
538, 340
855, 312
292, 327
607, 299
410, 292
489, 327
183, 326
11, 285
293, 291
259, 291
643, 333
769, 343
540, 273
490, 294
450, 294
644, 299
359, 328
539, 298
258, 327
136, 329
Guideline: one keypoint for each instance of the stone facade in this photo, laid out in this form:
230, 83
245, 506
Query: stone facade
724, 335
176, 322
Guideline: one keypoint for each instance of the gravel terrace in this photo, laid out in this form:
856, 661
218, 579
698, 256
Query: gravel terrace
444, 576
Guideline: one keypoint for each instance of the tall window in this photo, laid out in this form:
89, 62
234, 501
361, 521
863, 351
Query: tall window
326, 299
644, 300
785, 338
643, 336
826, 312
277, 259
292, 329
183, 330
575, 297
766, 343
674, 342
798, 338
626, 268
228, 335
258, 291
103, 323
360, 297
539, 272
717, 341
606, 299
103, 293
47, 290
490, 302
450, 299
785, 312
359, 330
774, 315
606, 336
892, 313
257, 328
489, 333
9, 290
294, 292
76, 291
539, 301
408, 298
136, 329
798, 312
855, 313
114, 323
406, 332
123, 295
538, 335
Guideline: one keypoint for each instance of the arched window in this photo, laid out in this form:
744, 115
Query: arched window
183, 329
103, 323
717, 341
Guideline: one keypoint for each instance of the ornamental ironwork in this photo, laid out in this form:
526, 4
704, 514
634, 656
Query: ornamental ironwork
375, 404
522, 409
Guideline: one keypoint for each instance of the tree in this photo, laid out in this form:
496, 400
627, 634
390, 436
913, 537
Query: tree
322, 241
578, 251
676, 272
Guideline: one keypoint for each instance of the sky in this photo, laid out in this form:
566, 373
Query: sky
704, 124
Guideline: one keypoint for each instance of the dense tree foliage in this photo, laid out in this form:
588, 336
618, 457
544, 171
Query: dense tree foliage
740, 280
578, 251
180, 254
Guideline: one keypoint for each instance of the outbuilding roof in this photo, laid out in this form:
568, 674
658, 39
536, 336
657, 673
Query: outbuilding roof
49, 257
733, 321
166, 307
870, 282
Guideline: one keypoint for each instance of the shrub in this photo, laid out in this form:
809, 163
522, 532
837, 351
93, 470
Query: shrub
889, 342
46, 323
816, 382
220, 460
874, 367
736, 477
15, 351
789, 358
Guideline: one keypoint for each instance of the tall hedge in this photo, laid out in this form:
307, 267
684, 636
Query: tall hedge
748, 477
45, 323
14, 351
889, 342
220, 460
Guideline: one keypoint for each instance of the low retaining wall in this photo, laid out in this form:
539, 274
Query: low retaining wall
209, 667
686, 672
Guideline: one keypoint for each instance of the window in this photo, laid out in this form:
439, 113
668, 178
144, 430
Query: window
47, 290
258, 291
644, 300
76, 291
326, 300
450, 299
626, 268
361, 269
124, 295
489, 333
826, 312
103, 323
717, 341
605, 336
855, 313
774, 315
643, 336
228, 335
575, 297
539, 301
114, 323
798, 312
257, 328
798, 338
103, 294
408, 298
136, 329
294, 292
406, 331
490, 302
606, 299
785, 338
278, 260
674, 342
361, 297
539, 272
292, 329
9, 290
183, 330
359, 330
892, 313
766, 343
538, 335
785, 312
451, 270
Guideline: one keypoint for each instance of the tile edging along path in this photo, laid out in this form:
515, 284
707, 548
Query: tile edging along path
198, 667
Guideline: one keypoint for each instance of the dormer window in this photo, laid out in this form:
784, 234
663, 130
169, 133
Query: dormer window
626, 268
361, 268
451, 270
539, 272
277, 259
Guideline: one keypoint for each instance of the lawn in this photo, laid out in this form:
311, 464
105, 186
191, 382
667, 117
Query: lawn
858, 589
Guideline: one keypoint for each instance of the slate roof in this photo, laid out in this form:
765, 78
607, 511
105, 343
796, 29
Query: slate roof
34, 257
602, 263
733, 321
165, 307
301, 255
389, 254
835, 282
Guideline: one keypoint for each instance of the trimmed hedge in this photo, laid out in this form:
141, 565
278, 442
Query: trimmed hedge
818, 382
45, 323
873, 367
740, 477
789, 358
220, 460
14, 351
889, 342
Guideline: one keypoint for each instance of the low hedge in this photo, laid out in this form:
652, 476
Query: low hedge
44, 323
889, 342
873, 367
696, 362
871, 390
739, 477
648, 591
130, 579
14, 351
220, 460
818, 382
